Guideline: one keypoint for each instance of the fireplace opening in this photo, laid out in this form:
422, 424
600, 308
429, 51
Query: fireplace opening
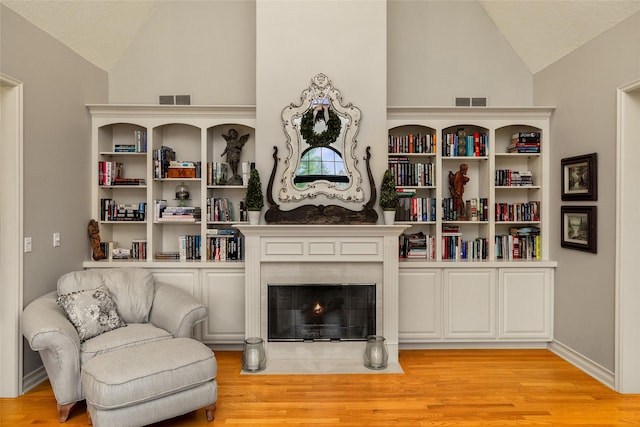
321, 312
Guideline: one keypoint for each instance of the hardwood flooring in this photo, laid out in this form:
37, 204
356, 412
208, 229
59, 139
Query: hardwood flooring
438, 388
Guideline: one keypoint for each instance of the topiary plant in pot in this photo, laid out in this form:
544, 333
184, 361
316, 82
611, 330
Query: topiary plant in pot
254, 199
388, 196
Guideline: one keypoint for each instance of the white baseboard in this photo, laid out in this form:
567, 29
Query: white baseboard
583, 363
33, 378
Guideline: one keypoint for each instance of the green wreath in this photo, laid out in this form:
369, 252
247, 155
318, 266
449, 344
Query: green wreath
324, 139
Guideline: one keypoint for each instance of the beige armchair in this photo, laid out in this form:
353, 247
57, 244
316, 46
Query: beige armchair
151, 312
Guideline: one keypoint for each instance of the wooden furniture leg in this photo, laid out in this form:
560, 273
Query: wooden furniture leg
209, 410
64, 410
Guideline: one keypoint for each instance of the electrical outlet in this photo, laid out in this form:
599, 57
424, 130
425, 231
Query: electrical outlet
27, 244
56, 240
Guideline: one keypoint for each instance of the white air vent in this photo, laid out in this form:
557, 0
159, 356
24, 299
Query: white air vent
471, 102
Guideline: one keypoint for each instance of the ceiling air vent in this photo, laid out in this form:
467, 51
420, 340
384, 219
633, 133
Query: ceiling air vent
470, 102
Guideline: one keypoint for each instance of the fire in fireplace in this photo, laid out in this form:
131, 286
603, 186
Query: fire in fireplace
321, 312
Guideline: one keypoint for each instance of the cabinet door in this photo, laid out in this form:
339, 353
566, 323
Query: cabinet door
526, 303
469, 303
187, 280
223, 292
420, 296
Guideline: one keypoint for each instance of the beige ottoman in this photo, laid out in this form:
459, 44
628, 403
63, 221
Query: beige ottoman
152, 382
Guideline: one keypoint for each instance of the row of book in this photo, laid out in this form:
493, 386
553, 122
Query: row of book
475, 209
455, 145
108, 171
411, 143
139, 143
224, 245
523, 211
138, 249
411, 174
520, 243
189, 246
455, 248
220, 209
412, 208
218, 173
511, 178
112, 211
524, 142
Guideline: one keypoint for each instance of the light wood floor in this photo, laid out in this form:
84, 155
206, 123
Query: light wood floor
438, 388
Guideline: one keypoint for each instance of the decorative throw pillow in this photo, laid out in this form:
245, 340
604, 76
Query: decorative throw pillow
92, 312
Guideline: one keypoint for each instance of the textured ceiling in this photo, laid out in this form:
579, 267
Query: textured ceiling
540, 31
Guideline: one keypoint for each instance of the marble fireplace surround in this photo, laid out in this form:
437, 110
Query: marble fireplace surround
321, 254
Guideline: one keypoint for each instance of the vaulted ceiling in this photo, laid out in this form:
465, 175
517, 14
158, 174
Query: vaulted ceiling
540, 31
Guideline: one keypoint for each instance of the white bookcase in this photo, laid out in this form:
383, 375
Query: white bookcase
498, 298
195, 134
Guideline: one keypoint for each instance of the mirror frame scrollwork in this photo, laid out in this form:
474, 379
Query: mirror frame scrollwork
321, 95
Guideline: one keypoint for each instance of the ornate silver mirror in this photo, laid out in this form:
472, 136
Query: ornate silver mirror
321, 159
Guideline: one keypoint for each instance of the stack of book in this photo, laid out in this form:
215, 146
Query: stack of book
180, 213
417, 246
111, 211
524, 142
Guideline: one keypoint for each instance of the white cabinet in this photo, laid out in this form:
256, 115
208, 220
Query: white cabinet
469, 303
223, 293
526, 303
420, 302
466, 304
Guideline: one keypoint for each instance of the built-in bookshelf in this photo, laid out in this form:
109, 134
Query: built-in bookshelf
163, 183
504, 154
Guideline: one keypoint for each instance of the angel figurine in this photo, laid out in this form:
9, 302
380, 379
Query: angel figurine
233, 150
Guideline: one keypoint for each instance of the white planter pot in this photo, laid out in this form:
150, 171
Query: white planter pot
389, 217
254, 217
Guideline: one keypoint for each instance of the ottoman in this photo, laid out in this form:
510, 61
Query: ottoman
151, 382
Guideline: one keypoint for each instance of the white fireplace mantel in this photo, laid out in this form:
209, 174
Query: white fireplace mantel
335, 244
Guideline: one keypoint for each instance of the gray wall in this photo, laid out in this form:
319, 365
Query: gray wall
438, 50
57, 141
583, 86
205, 49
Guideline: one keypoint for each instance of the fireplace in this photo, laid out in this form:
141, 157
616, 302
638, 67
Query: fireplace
365, 256
321, 312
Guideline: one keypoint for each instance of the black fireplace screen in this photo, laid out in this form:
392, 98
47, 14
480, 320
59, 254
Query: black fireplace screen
321, 312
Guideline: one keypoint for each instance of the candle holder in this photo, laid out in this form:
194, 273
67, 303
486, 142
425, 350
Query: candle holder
375, 353
254, 358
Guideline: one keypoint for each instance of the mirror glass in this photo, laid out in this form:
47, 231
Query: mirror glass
321, 146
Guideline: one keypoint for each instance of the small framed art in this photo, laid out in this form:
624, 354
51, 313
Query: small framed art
580, 177
579, 228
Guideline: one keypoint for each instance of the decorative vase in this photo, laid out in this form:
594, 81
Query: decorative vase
254, 358
389, 217
254, 217
375, 353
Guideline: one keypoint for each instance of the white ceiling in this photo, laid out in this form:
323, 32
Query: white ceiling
540, 31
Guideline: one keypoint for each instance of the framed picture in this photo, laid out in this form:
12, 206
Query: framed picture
579, 228
580, 177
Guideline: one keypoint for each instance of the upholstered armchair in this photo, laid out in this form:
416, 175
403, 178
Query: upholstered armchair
70, 326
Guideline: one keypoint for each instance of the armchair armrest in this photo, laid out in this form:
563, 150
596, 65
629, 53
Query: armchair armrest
48, 331
176, 311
